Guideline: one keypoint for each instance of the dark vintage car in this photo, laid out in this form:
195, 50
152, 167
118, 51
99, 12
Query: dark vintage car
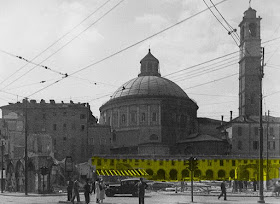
127, 186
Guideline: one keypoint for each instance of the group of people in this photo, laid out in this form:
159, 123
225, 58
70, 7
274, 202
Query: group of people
97, 187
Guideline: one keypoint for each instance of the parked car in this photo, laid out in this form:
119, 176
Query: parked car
127, 186
157, 185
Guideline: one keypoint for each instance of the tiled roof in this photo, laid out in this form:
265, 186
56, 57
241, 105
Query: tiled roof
149, 86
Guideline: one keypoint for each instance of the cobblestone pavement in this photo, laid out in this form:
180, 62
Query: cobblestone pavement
151, 198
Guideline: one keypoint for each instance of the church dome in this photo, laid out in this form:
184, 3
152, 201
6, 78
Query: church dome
149, 83
149, 86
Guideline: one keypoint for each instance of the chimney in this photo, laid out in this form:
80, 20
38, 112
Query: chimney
52, 101
42, 101
222, 118
230, 115
33, 101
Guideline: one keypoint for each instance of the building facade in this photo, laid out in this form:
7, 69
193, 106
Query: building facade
66, 123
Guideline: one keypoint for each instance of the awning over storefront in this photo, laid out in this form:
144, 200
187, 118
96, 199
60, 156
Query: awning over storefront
129, 172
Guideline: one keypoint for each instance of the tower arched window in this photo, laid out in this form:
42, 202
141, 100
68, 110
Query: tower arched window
253, 29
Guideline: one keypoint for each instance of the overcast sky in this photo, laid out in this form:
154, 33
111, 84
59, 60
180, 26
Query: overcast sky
30, 27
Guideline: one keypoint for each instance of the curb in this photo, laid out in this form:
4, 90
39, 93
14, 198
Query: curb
31, 195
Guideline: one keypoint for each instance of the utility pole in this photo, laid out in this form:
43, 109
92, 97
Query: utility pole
267, 162
261, 200
2, 165
25, 152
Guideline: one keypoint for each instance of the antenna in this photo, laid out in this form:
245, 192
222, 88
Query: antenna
250, 3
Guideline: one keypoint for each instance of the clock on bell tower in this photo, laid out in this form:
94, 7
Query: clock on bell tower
249, 64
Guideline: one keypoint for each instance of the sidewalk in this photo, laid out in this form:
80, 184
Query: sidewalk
20, 194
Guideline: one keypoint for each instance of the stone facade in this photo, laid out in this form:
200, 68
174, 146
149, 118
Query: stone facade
66, 123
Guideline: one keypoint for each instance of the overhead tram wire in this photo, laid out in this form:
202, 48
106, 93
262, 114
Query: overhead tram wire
59, 39
229, 31
141, 41
233, 30
31, 62
174, 72
206, 66
130, 46
204, 71
211, 81
68, 42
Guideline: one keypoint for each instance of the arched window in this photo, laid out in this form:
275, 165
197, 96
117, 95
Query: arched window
123, 118
253, 29
209, 174
221, 174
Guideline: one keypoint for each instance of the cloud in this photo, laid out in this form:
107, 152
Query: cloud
155, 21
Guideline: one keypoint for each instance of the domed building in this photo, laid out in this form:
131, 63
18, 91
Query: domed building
151, 115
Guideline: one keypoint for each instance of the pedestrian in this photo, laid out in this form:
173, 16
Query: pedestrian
97, 190
93, 187
276, 188
87, 191
102, 190
255, 185
224, 191
141, 185
76, 191
245, 184
69, 189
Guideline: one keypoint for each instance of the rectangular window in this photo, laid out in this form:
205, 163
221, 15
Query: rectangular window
82, 127
54, 126
255, 145
209, 162
64, 127
143, 118
133, 117
256, 129
232, 162
82, 116
154, 117
221, 162
239, 131
239, 145
44, 116
271, 131
73, 126
271, 145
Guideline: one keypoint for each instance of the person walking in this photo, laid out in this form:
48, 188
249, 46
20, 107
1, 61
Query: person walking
76, 191
102, 190
141, 190
97, 190
69, 190
93, 187
87, 192
223, 189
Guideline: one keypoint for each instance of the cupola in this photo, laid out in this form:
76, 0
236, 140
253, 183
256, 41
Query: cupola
149, 66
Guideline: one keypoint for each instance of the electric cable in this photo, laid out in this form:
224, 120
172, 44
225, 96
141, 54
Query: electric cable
106, 13
55, 42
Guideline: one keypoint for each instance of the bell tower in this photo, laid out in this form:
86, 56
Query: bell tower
249, 64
